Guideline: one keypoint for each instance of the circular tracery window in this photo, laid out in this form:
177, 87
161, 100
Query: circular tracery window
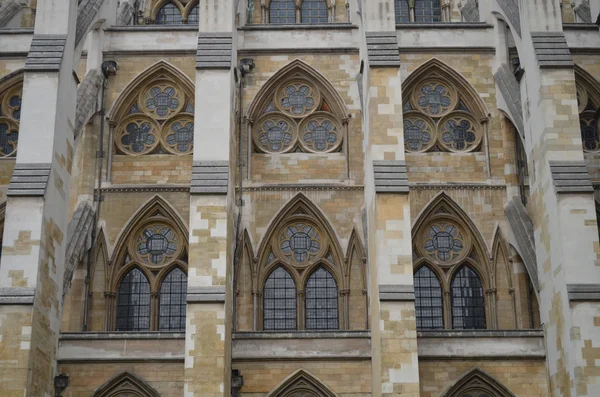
298, 98
300, 242
443, 241
138, 135
275, 134
434, 98
418, 132
162, 100
179, 135
459, 132
156, 243
320, 133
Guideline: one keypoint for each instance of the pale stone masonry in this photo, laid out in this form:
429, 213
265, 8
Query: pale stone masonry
277, 198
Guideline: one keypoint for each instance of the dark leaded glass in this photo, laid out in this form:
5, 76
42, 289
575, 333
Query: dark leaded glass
321, 301
162, 100
468, 304
138, 137
157, 242
428, 300
173, 302
169, 14
428, 11
279, 300
459, 134
8, 139
589, 131
15, 103
194, 16
133, 303
314, 11
182, 136
402, 11
282, 11
320, 134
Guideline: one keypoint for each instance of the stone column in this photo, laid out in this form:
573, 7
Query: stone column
394, 337
210, 275
33, 257
561, 205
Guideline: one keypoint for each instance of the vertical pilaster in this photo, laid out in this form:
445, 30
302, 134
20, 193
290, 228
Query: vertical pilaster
562, 205
207, 352
33, 257
394, 337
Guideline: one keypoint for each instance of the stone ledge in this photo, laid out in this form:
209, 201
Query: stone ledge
301, 335
155, 28
484, 333
16, 31
583, 292
299, 26
121, 335
396, 293
445, 25
17, 296
214, 294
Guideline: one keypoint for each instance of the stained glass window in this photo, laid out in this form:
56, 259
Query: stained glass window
10, 115
300, 242
194, 16
320, 133
279, 301
275, 134
443, 241
169, 14
458, 133
172, 303
157, 242
162, 101
402, 11
418, 133
468, 303
428, 11
321, 301
138, 136
589, 131
133, 302
282, 11
8, 138
180, 136
428, 300
314, 11
298, 99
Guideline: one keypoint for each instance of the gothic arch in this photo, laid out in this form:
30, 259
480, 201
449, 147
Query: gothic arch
160, 69
126, 384
436, 68
355, 273
477, 380
298, 68
583, 77
245, 286
304, 382
11, 94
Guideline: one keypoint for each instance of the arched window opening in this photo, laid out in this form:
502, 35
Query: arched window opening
280, 312
133, 303
589, 104
314, 11
402, 11
428, 300
427, 11
155, 115
194, 16
172, 302
468, 303
168, 14
282, 12
10, 117
321, 301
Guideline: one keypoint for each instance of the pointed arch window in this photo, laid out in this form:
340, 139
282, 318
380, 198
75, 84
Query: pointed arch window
468, 304
314, 11
168, 14
133, 302
419, 11
321, 301
402, 11
280, 301
588, 99
428, 300
10, 117
282, 12
149, 287
172, 302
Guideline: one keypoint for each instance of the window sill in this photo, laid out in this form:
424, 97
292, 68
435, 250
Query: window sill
300, 335
444, 25
483, 333
121, 335
299, 26
16, 31
153, 28
580, 26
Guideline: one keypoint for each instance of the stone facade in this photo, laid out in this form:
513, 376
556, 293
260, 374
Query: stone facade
324, 197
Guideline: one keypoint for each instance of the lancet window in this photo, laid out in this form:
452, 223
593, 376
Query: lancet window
449, 275
150, 282
10, 116
176, 12
299, 11
588, 105
156, 117
420, 11
442, 111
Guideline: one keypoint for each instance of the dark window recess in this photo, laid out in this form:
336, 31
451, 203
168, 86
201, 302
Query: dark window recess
321, 301
172, 305
428, 11
402, 11
133, 302
428, 300
279, 300
282, 11
169, 14
314, 11
194, 18
468, 303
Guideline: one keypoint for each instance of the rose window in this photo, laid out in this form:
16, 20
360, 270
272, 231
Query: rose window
443, 241
320, 134
275, 134
138, 137
298, 99
156, 243
417, 134
162, 101
180, 136
9, 135
434, 99
300, 242
458, 134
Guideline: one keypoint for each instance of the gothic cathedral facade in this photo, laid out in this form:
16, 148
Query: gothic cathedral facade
299, 198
